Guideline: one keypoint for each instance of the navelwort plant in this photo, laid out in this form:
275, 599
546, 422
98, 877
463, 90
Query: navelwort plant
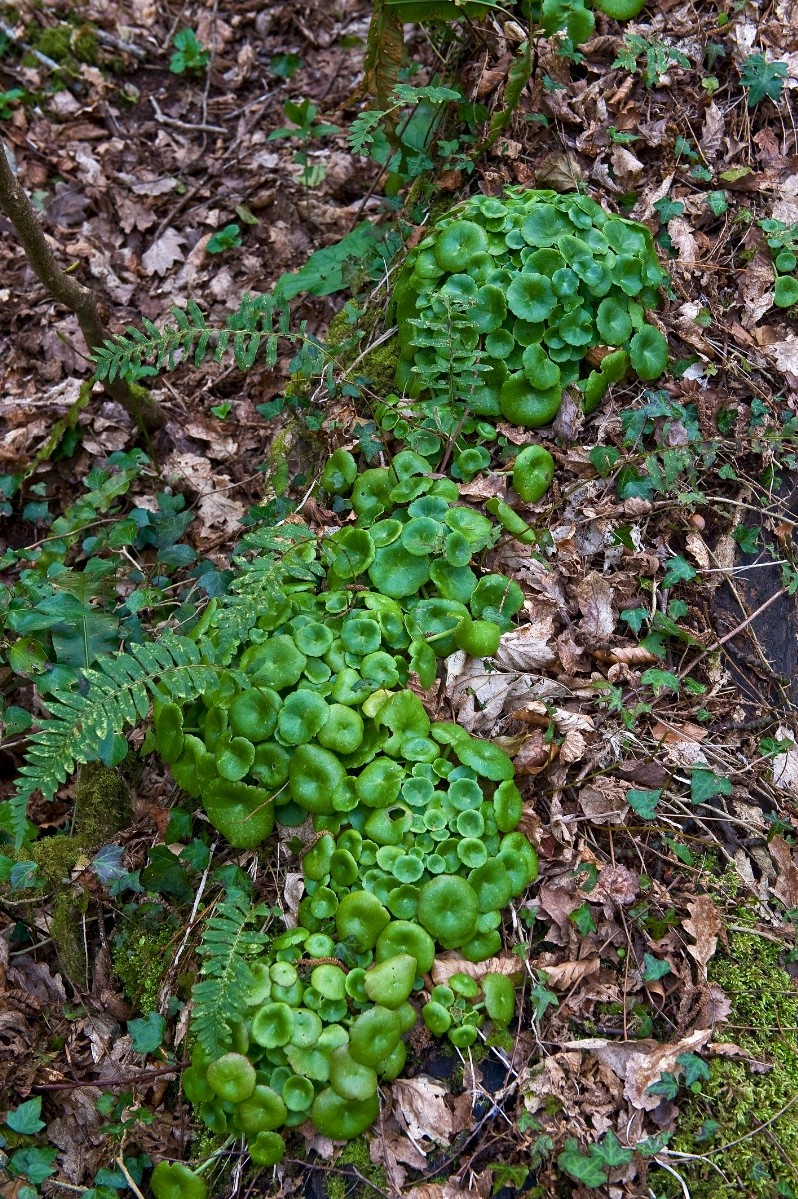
539, 279
290, 701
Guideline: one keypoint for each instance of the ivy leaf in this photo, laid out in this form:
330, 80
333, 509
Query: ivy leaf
668, 208
147, 1034
762, 79
644, 803
654, 968
747, 538
612, 1152
542, 999
635, 618
704, 785
25, 1118
33, 1164
107, 863
582, 1167
667, 1086
651, 1146
716, 202
695, 1068
679, 571
583, 919
661, 680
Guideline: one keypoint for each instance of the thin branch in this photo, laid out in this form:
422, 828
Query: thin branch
739, 629
66, 290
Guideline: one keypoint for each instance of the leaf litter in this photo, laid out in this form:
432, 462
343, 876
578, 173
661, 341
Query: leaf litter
631, 910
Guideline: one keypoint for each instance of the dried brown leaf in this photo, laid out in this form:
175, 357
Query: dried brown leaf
421, 1107
785, 887
703, 925
447, 964
641, 1063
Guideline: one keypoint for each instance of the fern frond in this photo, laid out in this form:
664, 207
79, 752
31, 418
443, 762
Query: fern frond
220, 996
189, 335
112, 695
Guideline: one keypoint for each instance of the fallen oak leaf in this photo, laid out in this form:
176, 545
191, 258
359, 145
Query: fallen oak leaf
563, 976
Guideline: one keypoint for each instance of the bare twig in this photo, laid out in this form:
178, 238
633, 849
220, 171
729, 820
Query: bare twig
163, 119
23, 45
739, 629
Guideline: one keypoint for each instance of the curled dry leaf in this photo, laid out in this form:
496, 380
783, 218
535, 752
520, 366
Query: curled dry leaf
626, 655
698, 550
703, 925
534, 754
421, 1106
594, 596
563, 976
529, 647
573, 748
447, 964
785, 887
604, 801
565, 721
641, 1063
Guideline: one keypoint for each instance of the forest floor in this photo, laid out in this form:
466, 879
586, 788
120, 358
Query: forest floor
650, 702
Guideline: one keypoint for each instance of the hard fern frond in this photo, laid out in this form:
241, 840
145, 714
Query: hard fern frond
220, 996
245, 330
86, 720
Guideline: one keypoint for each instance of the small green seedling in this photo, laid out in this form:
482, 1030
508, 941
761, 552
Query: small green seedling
228, 238
189, 54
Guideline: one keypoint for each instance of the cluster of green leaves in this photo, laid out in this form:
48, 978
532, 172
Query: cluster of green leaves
499, 304
189, 55
657, 56
305, 128
782, 242
100, 575
416, 842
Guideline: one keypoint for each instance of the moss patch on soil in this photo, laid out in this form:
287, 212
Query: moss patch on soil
755, 1115
139, 957
357, 1158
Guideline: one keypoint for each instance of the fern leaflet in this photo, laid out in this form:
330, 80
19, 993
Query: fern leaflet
220, 996
87, 719
257, 320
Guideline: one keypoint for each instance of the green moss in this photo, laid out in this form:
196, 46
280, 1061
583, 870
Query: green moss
380, 366
764, 1022
102, 805
139, 957
67, 45
67, 933
56, 858
356, 1155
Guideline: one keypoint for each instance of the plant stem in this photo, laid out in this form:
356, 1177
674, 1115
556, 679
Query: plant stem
69, 292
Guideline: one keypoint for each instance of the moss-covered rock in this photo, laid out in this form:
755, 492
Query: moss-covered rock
56, 858
67, 44
737, 1107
